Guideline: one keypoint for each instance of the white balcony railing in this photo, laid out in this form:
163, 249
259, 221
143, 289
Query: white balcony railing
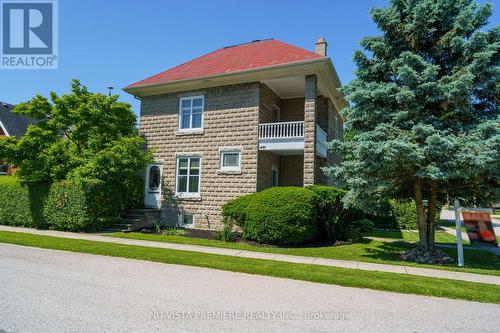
288, 138
284, 130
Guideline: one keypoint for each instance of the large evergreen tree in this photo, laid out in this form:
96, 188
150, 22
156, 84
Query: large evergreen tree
424, 109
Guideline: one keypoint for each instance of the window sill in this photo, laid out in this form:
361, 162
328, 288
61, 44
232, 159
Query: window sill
198, 131
229, 172
188, 197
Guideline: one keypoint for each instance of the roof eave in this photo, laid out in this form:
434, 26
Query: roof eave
254, 74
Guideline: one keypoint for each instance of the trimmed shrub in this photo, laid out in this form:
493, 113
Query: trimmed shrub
234, 211
83, 205
281, 215
21, 205
71, 205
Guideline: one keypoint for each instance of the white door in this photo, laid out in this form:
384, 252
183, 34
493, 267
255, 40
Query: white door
152, 197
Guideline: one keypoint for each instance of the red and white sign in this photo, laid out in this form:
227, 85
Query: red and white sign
479, 228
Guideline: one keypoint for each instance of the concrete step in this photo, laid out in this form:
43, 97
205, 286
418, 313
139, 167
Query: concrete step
131, 221
144, 210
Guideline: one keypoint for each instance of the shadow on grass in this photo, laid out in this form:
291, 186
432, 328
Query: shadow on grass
390, 251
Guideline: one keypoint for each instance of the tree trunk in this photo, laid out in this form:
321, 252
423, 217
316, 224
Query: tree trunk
431, 215
422, 225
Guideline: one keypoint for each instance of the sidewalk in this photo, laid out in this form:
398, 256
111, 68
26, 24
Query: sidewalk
436, 273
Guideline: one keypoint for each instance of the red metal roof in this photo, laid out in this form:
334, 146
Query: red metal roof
231, 59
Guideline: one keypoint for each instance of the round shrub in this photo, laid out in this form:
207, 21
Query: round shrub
234, 211
281, 215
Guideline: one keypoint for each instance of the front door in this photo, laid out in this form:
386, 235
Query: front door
152, 197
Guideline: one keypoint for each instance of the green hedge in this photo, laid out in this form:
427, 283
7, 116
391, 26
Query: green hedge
72, 205
21, 205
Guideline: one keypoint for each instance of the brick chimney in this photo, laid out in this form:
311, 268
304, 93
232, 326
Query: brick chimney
321, 46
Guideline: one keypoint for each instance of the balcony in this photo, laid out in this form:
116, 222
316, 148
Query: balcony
287, 138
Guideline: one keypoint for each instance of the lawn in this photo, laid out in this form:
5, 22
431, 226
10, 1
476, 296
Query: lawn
330, 275
477, 261
412, 236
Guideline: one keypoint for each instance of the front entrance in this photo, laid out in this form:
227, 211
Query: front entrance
152, 197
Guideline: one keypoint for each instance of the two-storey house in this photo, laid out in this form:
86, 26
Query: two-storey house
235, 121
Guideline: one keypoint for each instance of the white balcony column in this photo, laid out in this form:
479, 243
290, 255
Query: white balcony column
310, 130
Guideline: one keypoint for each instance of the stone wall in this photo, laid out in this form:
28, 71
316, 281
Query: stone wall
230, 119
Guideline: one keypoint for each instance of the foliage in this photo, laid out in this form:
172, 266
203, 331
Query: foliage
404, 214
21, 205
171, 231
424, 109
85, 147
281, 215
226, 234
335, 221
234, 211
63, 205
70, 130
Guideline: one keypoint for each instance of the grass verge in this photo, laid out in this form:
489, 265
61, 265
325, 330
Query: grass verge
476, 261
412, 236
401, 283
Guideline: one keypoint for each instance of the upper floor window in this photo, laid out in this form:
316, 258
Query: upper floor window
191, 113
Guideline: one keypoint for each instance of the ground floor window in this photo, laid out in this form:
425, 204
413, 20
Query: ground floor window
187, 220
188, 176
230, 160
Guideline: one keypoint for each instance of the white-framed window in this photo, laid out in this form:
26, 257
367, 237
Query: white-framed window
186, 220
230, 160
188, 176
191, 113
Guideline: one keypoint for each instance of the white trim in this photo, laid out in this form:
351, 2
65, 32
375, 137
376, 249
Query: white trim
230, 169
191, 128
4, 129
187, 195
158, 191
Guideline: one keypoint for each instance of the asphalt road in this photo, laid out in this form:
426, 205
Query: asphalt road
52, 291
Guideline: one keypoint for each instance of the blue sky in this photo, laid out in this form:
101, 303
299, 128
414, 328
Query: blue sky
118, 42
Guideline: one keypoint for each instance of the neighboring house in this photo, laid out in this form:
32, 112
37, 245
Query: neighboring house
235, 121
11, 125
